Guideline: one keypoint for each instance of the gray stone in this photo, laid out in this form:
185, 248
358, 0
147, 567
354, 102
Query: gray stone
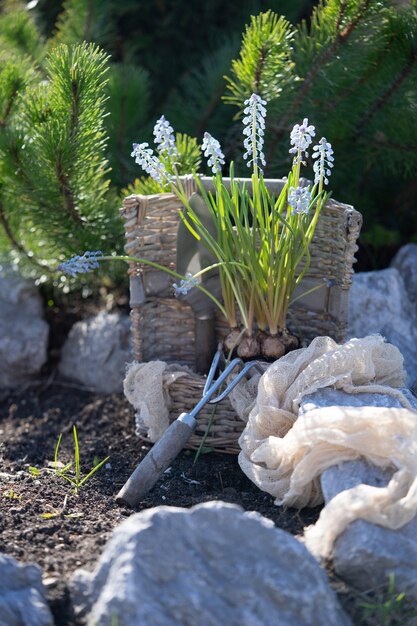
379, 303
349, 474
407, 345
365, 554
17, 291
96, 352
209, 565
22, 595
23, 332
405, 261
337, 397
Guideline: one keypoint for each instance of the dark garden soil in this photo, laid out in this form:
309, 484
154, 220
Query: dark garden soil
42, 520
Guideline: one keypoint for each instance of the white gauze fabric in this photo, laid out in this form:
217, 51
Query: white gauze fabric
146, 387
285, 454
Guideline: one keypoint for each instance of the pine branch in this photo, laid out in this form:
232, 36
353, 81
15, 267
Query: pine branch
326, 55
88, 21
15, 243
264, 65
389, 92
330, 105
19, 34
9, 233
9, 105
65, 190
210, 108
341, 39
16, 73
68, 139
84, 20
392, 145
128, 94
30, 188
375, 65
194, 105
259, 68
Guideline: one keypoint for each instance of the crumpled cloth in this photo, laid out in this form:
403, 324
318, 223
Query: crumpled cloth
146, 387
285, 454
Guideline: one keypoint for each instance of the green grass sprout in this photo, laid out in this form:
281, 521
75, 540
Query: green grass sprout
77, 480
10, 493
391, 608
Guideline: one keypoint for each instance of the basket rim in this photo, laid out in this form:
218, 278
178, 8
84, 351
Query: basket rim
208, 185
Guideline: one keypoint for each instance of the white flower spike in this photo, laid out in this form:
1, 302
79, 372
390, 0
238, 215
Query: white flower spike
322, 167
254, 130
301, 138
164, 138
145, 157
299, 199
212, 150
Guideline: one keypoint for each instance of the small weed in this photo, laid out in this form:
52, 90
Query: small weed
53, 514
9, 493
59, 469
77, 480
390, 609
50, 515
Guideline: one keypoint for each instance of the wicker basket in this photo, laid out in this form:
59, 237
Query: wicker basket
163, 327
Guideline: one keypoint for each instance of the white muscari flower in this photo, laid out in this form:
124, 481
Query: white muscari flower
299, 199
254, 130
322, 167
185, 285
145, 157
301, 137
212, 150
164, 138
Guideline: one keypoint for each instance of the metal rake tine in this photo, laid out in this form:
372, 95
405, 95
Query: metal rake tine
213, 368
236, 380
215, 385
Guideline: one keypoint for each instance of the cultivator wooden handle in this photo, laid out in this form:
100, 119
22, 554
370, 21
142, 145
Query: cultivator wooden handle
157, 460
178, 433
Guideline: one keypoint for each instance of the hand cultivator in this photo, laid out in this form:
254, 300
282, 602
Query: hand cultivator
179, 432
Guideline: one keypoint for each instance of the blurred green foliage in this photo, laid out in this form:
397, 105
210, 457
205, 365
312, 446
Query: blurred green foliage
81, 80
352, 71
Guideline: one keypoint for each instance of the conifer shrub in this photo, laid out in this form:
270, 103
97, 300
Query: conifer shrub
353, 69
